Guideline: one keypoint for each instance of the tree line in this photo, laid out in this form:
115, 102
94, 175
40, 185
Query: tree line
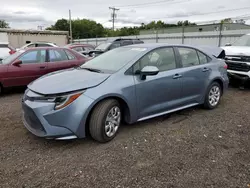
84, 28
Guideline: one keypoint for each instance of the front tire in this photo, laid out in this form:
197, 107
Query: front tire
213, 96
105, 120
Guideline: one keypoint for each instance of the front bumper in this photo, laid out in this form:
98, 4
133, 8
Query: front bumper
239, 75
42, 120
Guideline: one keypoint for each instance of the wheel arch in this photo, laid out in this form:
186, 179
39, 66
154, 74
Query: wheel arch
220, 82
124, 107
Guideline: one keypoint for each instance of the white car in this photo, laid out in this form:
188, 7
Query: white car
37, 44
6, 50
238, 59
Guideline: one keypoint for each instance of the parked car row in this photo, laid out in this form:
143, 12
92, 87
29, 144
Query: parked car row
67, 93
118, 85
25, 66
38, 58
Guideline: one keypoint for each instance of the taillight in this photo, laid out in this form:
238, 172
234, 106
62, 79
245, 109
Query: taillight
12, 52
225, 66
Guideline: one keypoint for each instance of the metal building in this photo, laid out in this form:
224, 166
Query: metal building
18, 38
198, 28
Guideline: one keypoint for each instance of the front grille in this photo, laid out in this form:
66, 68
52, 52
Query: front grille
238, 58
238, 66
238, 63
32, 120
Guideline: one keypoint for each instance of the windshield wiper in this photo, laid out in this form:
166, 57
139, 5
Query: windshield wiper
91, 69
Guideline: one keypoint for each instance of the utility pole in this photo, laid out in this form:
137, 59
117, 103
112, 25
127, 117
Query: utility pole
220, 35
113, 15
183, 33
70, 27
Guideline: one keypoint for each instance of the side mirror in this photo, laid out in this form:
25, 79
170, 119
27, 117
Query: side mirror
228, 44
148, 71
17, 63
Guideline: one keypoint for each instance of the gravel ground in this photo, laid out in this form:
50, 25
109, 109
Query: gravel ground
189, 149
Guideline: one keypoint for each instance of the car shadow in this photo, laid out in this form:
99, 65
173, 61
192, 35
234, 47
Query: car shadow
12, 91
237, 85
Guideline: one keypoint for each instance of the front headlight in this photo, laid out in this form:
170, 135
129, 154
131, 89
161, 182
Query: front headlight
63, 101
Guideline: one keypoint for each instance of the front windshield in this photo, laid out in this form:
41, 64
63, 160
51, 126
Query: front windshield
243, 41
103, 46
114, 60
10, 58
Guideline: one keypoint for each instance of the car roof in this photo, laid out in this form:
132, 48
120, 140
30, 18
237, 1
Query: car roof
41, 42
156, 45
78, 44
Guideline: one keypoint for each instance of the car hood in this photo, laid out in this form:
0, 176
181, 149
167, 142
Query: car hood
237, 50
65, 81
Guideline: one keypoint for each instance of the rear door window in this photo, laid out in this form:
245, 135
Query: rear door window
203, 58
189, 57
57, 55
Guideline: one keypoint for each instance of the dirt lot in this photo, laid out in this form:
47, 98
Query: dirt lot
189, 149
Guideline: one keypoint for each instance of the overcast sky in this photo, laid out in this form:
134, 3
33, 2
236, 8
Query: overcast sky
28, 14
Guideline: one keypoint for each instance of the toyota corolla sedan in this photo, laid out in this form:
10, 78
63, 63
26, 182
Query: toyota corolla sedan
129, 84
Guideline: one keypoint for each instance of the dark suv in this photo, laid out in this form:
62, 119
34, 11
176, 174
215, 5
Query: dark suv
104, 47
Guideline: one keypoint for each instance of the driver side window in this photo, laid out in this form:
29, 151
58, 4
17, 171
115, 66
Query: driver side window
162, 58
35, 56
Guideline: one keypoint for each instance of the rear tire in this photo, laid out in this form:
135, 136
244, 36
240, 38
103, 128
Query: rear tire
213, 96
105, 120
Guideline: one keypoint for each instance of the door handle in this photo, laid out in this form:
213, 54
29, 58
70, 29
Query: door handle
205, 69
42, 67
176, 76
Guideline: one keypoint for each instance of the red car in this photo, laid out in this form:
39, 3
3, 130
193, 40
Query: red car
24, 66
81, 48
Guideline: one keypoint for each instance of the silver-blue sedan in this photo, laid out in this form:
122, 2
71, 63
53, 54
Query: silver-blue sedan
128, 84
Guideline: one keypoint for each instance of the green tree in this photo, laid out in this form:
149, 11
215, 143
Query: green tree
60, 25
4, 24
84, 28
81, 28
227, 20
185, 23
